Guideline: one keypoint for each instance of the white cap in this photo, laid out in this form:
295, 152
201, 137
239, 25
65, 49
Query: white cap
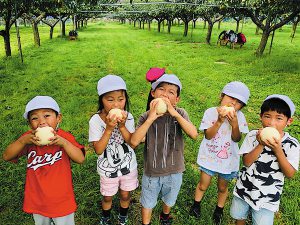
41, 102
168, 78
110, 83
286, 99
238, 90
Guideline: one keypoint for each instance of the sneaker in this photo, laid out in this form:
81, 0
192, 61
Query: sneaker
217, 217
167, 221
105, 221
122, 220
195, 212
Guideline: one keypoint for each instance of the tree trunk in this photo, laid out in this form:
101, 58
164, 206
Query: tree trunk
219, 25
36, 35
209, 31
159, 25
24, 21
143, 24
263, 42
134, 23
237, 26
257, 30
194, 23
169, 26
140, 24
51, 31
204, 25
82, 23
294, 27
63, 28
6, 37
186, 28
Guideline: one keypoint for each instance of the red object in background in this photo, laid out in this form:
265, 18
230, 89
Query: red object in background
154, 73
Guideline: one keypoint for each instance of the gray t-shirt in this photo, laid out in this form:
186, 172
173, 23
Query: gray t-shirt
163, 151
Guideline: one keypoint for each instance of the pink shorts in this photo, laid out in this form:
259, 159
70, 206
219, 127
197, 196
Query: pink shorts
110, 186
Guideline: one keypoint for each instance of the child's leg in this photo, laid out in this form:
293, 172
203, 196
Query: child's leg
124, 199
41, 220
107, 202
222, 191
202, 186
64, 220
146, 215
124, 206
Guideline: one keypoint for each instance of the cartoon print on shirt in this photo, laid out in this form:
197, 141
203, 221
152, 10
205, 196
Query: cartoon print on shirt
223, 154
117, 157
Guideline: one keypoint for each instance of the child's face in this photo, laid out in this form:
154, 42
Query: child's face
275, 119
230, 101
166, 90
43, 117
114, 99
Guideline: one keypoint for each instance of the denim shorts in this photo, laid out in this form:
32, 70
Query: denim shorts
240, 209
168, 186
227, 177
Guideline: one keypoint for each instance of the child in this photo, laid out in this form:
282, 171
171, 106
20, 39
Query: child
49, 192
163, 151
260, 182
110, 136
218, 151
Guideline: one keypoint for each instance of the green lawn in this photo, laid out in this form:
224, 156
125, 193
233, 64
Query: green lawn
69, 71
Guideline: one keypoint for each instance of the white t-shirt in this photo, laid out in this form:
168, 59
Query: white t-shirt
261, 184
118, 158
220, 154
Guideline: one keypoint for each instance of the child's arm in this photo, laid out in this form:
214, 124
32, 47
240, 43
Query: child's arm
100, 145
252, 156
287, 169
124, 131
13, 150
187, 126
75, 153
140, 133
212, 131
235, 132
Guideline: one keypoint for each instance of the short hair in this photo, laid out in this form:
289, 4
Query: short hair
276, 104
101, 106
150, 97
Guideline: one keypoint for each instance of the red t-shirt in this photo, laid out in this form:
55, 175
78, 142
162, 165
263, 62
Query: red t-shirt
49, 188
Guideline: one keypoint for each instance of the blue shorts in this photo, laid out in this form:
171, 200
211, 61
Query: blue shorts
168, 186
240, 209
227, 177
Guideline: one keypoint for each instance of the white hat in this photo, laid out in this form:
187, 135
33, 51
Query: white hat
286, 99
238, 90
110, 83
41, 102
168, 78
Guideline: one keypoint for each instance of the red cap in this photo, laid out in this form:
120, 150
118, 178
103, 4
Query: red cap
154, 73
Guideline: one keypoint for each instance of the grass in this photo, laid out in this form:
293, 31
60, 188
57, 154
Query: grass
69, 71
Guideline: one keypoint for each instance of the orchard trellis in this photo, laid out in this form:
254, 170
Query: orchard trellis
268, 15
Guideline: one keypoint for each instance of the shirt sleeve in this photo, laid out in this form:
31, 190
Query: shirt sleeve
249, 143
243, 126
293, 153
130, 123
142, 119
95, 128
207, 120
